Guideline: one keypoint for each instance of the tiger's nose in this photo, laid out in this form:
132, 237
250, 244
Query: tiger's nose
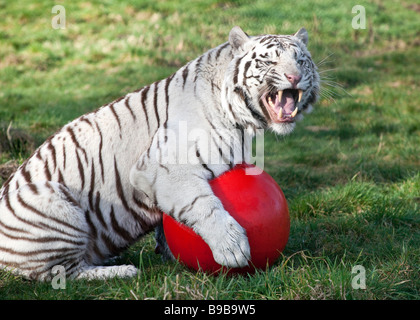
293, 79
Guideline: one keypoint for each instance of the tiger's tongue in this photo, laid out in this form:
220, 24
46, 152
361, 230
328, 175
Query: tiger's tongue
287, 102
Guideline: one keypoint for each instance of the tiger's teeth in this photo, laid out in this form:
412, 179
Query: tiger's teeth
294, 112
300, 95
280, 115
279, 94
270, 102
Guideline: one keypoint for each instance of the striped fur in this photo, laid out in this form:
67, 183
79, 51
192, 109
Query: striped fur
101, 182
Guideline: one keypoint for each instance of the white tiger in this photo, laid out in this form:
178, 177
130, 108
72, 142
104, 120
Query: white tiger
97, 185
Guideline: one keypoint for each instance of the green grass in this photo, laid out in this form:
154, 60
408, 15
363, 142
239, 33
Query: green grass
350, 171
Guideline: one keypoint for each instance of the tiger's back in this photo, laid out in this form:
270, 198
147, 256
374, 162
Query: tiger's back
75, 188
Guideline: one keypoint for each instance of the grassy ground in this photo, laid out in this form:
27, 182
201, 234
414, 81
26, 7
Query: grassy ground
350, 171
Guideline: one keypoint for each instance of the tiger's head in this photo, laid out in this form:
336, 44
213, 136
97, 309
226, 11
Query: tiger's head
271, 80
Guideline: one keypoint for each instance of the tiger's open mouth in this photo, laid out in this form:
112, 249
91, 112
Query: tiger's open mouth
282, 106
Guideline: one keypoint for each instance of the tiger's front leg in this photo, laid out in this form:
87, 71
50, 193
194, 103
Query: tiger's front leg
183, 192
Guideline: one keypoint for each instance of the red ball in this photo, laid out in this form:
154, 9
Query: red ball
257, 204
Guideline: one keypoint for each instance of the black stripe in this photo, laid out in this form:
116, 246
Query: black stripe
37, 252
97, 251
93, 233
68, 196
64, 155
167, 83
224, 159
40, 239
185, 74
197, 69
48, 185
247, 65
265, 112
53, 152
115, 114
188, 207
43, 265
112, 248
26, 174
143, 102
208, 56
71, 254
232, 154
182, 211
165, 124
127, 105
92, 186
235, 76
81, 171
155, 103
73, 138
140, 204
164, 167
119, 187
233, 113
243, 144
38, 155
71, 269
13, 229
222, 140
208, 169
145, 227
98, 211
33, 188
60, 177
123, 233
47, 171
199, 197
231, 109
264, 39
220, 50
248, 102
84, 119
101, 163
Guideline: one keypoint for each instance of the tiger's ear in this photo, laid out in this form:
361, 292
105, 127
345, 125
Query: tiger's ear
302, 35
237, 38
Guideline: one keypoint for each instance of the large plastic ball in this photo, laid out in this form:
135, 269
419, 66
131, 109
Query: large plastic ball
257, 203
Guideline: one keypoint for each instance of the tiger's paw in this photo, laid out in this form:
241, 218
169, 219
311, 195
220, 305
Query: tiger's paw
231, 248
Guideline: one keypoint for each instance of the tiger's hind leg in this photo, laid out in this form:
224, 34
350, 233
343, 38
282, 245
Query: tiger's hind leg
105, 272
41, 226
